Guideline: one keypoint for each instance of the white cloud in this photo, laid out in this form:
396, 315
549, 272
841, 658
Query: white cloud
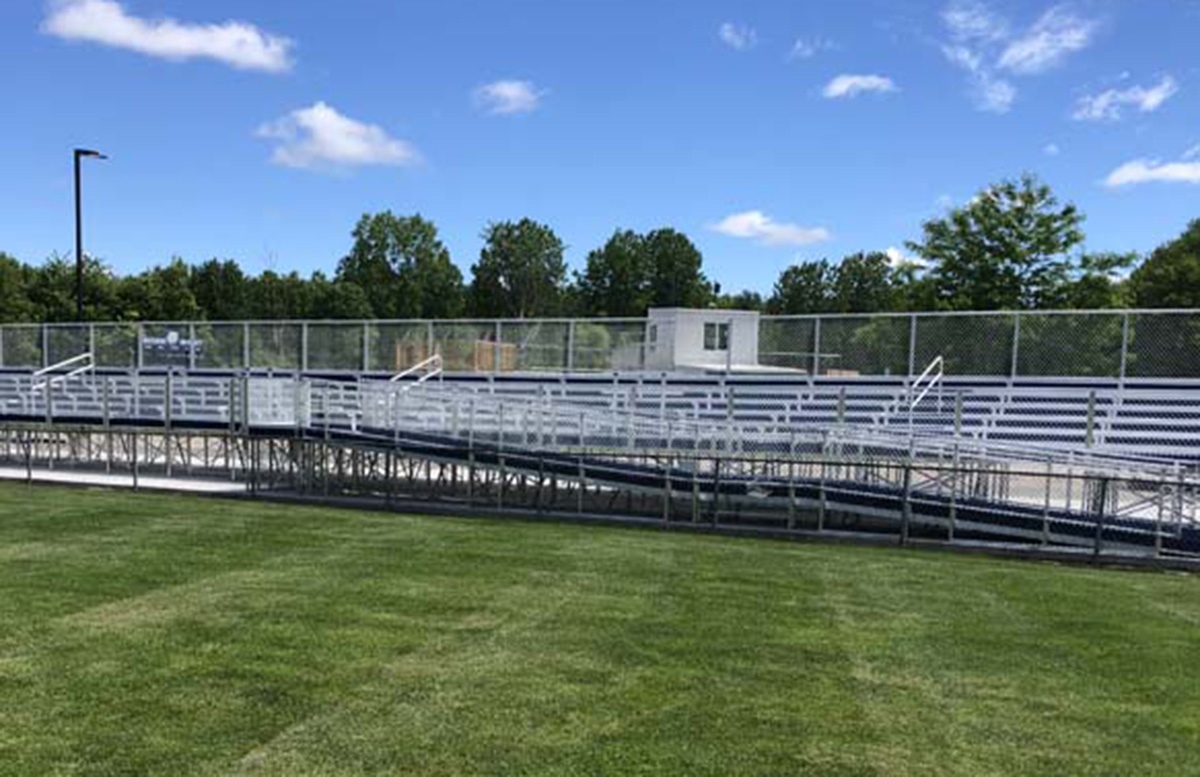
971, 20
1192, 153
757, 226
1051, 149
238, 44
319, 136
1052, 37
1152, 171
897, 258
505, 98
982, 43
1108, 105
850, 85
807, 48
737, 36
993, 95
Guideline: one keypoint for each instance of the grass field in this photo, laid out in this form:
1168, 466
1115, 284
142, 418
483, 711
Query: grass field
144, 634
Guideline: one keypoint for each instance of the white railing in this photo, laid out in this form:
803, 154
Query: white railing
46, 376
428, 368
929, 379
379, 407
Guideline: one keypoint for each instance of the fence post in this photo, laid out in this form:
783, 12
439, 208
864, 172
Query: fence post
1, 346
571, 345
246, 345
92, 341
45, 333
1016, 343
912, 346
1124, 348
304, 346
497, 351
429, 340
366, 346
816, 354
906, 514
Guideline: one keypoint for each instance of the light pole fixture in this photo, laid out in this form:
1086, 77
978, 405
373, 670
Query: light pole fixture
80, 153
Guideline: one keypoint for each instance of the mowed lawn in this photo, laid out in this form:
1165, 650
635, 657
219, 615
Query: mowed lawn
149, 634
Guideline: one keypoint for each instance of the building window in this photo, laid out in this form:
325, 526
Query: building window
716, 337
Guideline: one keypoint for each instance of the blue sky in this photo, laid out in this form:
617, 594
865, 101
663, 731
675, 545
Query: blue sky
768, 131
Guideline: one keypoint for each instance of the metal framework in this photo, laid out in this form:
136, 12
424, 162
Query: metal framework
407, 442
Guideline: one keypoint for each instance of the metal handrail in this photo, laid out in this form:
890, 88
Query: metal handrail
62, 364
938, 364
58, 379
425, 364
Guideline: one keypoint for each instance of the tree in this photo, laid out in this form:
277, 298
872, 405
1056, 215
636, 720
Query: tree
617, 278
336, 299
743, 300
676, 280
274, 297
403, 267
1006, 249
520, 272
162, 293
1097, 284
221, 289
1170, 278
15, 280
632, 273
52, 290
863, 283
803, 289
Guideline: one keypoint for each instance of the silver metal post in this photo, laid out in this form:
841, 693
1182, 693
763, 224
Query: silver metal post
1016, 343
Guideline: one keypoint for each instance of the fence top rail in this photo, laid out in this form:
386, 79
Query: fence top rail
982, 313
605, 320
329, 322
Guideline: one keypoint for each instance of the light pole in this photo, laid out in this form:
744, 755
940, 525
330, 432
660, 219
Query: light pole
79, 154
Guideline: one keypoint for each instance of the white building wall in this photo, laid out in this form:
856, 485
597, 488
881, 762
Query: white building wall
680, 339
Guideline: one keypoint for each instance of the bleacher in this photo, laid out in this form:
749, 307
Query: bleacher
1137, 418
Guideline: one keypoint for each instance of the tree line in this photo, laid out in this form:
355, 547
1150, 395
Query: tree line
1013, 246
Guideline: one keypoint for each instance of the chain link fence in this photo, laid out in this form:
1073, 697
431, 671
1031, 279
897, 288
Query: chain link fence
1115, 345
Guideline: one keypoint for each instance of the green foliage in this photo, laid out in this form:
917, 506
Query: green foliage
1012, 247
520, 273
1006, 249
16, 279
676, 280
274, 296
337, 299
1170, 278
803, 289
743, 300
632, 273
617, 279
863, 283
403, 267
221, 290
1098, 283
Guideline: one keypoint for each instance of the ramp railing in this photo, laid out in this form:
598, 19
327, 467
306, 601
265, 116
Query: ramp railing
426, 370
47, 376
